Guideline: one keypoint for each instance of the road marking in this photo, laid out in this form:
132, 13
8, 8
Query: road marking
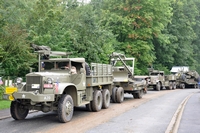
175, 122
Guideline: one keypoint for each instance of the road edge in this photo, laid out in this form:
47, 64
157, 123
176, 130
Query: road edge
175, 121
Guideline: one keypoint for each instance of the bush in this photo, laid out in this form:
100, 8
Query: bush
1, 91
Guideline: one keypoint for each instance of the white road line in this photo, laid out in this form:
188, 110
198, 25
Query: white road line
175, 122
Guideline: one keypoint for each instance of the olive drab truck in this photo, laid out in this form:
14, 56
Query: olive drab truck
185, 78
55, 88
158, 80
123, 78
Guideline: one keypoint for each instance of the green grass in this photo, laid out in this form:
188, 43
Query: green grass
4, 104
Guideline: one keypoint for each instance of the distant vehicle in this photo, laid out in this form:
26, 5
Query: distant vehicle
185, 78
158, 80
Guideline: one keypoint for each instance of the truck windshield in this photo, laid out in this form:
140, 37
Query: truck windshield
53, 65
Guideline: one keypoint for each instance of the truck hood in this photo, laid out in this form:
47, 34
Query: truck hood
57, 77
47, 74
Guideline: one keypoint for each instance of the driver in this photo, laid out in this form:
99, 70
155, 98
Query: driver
73, 68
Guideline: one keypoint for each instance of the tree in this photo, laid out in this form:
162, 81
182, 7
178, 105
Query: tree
136, 24
182, 33
17, 57
15, 53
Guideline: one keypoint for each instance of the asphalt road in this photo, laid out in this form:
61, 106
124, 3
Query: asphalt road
151, 114
154, 116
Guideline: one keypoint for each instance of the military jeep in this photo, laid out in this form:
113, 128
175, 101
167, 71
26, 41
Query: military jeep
55, 88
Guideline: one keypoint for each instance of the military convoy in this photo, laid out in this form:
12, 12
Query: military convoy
180, 77
56, 87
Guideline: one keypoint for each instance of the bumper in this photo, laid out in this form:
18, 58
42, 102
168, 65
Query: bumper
30, 95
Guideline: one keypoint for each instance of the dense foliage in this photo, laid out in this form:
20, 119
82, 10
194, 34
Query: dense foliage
159, 34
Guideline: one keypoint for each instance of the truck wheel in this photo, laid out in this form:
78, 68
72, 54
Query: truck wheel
182, 86
18, 112
135, 95
106, 98
174, 85
140, 94
158, 86
97, 101
114, 94
87, 69
170, 85
65, 108
120, 95
195, 86
89, 107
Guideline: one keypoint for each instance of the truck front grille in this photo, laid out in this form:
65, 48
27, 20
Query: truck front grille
34, 83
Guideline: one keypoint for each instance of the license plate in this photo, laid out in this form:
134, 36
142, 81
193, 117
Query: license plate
35, 86
48, 86
10, 90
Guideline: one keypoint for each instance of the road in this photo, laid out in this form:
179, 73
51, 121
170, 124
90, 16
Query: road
153, 113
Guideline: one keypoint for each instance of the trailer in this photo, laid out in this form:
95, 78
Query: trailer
186, 78
123, 78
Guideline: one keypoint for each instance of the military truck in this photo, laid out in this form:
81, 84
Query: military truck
185, 78
123, 78
158, 80
55, 88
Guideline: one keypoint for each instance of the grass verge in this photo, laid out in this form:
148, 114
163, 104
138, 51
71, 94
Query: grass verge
4, 104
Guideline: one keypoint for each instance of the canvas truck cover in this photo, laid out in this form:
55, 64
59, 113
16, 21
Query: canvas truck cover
176, 69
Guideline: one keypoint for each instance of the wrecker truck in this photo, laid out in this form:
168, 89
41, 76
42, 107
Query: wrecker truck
55, 88
123, 78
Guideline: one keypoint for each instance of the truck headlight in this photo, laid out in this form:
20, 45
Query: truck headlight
19, 80
49, 80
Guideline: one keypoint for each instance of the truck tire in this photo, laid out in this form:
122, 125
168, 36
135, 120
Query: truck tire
65, 108
158, 86
135, 95
183, 86
97, 101
170, 85
87, 69
89, 107
120, 95
106, 99
195, 86
18, 112
174, 85
114, 94
140, 94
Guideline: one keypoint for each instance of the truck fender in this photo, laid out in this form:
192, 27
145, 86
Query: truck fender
60, 87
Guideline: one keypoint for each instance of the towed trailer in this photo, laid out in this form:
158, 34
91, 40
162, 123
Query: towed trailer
123, 78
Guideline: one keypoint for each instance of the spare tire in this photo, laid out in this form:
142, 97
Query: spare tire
183, 77
87, 68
